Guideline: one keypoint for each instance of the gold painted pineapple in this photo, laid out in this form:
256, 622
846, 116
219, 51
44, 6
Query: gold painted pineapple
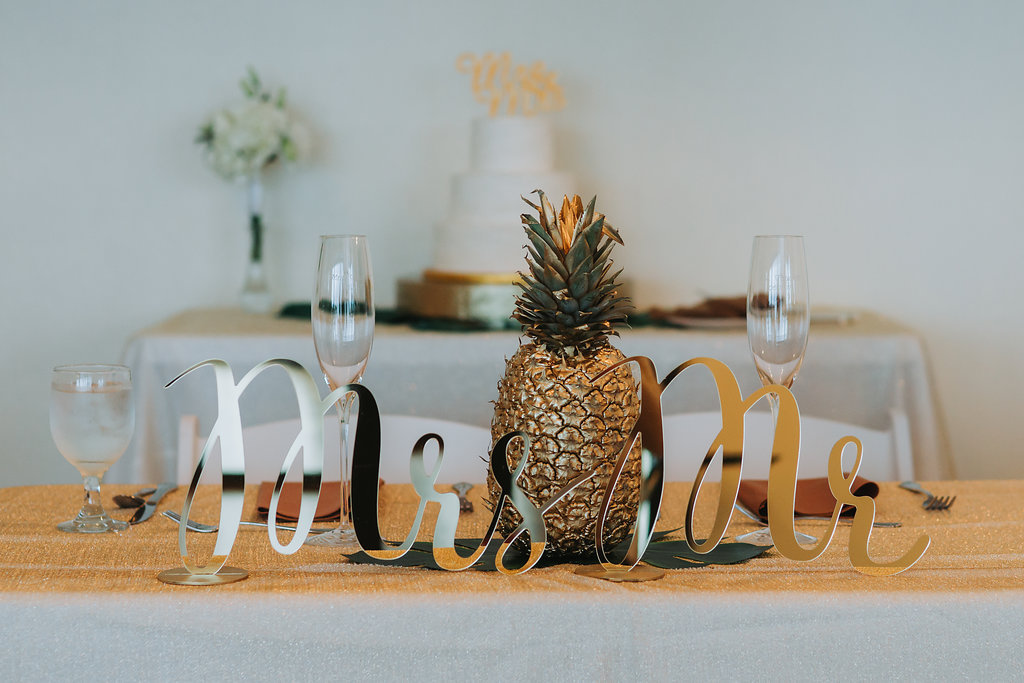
568, 306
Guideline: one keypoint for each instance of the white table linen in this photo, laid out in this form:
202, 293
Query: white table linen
688, 636
858, 373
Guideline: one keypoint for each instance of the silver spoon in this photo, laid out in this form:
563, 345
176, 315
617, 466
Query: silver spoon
193, 525
136, 500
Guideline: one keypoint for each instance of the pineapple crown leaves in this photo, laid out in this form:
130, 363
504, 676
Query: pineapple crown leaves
569, 299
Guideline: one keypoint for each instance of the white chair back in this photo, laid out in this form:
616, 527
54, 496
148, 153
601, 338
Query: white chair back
465, 449
887, 454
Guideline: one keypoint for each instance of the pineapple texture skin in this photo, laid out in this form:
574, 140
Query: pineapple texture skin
575, 424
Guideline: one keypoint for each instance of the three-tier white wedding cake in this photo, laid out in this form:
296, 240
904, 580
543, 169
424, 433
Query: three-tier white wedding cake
482, 240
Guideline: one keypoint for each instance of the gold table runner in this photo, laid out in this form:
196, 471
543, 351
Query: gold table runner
977, 546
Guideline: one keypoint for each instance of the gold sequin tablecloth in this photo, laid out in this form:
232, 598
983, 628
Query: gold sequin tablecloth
976, 546
960, 610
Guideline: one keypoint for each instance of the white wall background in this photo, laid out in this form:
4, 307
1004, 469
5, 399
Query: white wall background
888, 133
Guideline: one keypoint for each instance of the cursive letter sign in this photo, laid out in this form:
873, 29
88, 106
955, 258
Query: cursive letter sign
649, 429
228, 430
782, 476
365, 519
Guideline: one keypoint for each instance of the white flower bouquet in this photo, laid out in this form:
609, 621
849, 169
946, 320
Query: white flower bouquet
239, 143
243, 140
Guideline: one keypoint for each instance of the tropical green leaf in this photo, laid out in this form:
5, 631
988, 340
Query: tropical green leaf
666, 554
678, 555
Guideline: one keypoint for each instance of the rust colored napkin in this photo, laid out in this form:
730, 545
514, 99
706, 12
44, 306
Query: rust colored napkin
813, 496
328, 508
716, 307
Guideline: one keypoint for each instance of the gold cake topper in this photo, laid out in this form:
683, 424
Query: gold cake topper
648, 429
511, 88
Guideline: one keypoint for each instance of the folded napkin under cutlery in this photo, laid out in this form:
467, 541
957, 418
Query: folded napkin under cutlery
728, 312
715, 307
328, 507
813, 496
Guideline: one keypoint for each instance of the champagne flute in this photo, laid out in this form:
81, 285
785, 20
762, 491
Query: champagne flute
343, 318
92, 418
778, 310
778, 318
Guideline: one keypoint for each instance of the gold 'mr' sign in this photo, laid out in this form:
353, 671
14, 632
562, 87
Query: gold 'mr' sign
512, 88
366, 455
782, 475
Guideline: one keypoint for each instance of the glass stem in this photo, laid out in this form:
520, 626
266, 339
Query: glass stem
773, 402
92, 505
344, 414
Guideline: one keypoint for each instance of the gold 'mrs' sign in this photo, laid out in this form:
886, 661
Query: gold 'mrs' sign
510, 88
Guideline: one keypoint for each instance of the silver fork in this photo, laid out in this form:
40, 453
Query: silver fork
193, 525
762, 536
462, 488
842, 520
931, 501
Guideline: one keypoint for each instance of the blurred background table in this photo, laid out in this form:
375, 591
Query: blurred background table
870, 372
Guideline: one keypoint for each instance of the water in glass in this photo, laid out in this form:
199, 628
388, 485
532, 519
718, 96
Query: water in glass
92, 417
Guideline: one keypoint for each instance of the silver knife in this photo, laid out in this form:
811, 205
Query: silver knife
147, 510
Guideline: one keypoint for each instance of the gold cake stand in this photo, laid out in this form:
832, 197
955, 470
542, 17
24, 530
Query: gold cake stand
485, 298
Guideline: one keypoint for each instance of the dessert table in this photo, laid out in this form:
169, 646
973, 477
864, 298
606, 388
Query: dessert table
74, 606
871, 372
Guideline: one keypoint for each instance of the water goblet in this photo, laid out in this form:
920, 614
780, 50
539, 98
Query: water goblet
343, 320
92, 418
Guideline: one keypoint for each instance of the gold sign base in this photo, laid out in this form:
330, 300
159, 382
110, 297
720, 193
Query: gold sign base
635, 575
180, 576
